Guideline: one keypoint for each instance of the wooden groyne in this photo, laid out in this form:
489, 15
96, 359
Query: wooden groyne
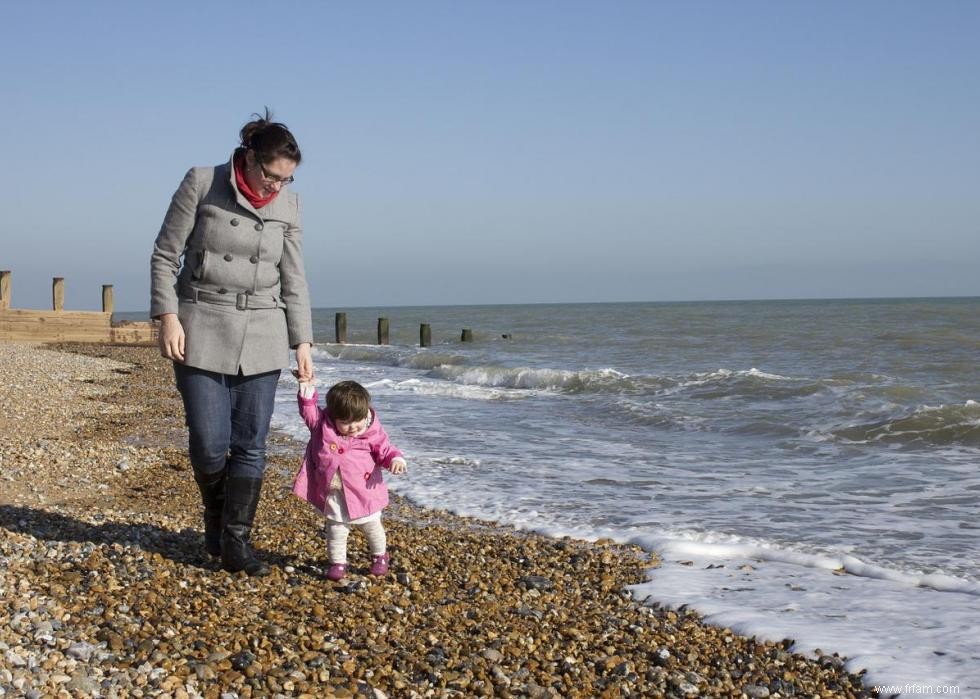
59, 325
425, 331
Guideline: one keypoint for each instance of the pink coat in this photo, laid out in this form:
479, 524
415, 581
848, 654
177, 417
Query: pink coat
359, 460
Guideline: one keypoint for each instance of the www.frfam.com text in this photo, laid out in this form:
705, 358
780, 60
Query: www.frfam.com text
891, 690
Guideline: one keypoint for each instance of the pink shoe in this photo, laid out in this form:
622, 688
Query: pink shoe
336, 571
379, 566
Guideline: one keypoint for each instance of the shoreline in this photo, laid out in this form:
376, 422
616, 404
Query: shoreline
106, 587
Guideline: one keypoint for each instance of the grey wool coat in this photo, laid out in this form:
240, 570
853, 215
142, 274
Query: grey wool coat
233, 274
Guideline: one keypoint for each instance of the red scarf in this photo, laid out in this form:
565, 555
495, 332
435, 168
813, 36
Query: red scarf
254, 199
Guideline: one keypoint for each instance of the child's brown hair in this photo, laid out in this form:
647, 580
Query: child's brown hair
348, 401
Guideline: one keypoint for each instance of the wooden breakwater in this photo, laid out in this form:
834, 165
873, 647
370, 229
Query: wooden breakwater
59, 325
384, 326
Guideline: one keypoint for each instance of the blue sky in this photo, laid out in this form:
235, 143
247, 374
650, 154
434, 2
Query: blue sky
505, 152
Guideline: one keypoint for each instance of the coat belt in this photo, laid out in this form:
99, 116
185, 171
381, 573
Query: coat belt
242, 300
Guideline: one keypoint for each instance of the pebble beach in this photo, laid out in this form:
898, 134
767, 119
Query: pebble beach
106, 591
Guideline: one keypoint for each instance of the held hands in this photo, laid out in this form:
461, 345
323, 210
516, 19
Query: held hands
171, 338
306, 388
398, 466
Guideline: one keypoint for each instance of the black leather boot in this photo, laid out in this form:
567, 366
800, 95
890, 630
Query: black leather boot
212, 487
241, 500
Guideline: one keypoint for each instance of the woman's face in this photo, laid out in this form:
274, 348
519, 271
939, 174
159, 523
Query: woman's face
267, 178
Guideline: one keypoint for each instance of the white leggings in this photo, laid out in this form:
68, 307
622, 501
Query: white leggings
337, 533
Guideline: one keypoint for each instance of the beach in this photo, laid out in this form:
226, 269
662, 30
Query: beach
106, 590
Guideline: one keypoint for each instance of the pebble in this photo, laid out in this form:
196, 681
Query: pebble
80, 651
15, 660
493, 655
535, 582
105, 590
83, 685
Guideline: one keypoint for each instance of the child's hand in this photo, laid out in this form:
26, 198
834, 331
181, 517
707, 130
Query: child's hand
306, 388
398, 466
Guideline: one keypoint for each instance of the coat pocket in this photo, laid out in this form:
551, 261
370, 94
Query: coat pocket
199, 269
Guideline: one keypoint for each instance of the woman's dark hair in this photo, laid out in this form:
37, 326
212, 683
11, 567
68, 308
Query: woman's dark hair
348, 401
269, 139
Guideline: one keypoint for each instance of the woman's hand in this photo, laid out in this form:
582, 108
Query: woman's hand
304, 362
171, 339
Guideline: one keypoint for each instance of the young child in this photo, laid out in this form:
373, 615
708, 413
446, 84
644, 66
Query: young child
341, 472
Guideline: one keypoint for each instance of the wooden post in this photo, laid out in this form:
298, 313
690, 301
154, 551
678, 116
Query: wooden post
425, 335
107, 298
4, 289
467, 335
382, 331
58, 294
341, 326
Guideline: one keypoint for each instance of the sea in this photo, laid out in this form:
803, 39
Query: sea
806, 470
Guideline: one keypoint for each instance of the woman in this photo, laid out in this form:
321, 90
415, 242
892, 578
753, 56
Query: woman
228, 317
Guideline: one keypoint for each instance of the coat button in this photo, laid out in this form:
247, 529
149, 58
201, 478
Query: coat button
234, 222
340, 451
258, 226
367, 476
333, 447
253, 259
228, 258
222, 291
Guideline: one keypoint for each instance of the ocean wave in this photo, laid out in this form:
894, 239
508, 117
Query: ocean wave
944, 425
637, 483
454, 461
660, 415
430, 360
390, 355
751, 384
712, 545
448, 390
560, 380
374, 354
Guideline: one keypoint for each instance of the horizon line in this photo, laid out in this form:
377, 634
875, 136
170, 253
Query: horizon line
662, 302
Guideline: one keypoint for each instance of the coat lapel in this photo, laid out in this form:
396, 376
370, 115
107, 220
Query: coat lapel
273, 210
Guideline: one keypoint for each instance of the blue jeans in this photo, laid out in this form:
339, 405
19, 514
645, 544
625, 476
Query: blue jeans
227, 419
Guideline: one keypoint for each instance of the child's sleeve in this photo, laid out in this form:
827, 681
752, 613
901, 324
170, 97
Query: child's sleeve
384, 451
308, 408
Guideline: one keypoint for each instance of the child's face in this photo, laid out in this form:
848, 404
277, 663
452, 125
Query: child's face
350, 428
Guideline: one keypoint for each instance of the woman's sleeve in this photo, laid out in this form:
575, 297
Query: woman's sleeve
292, 278
169, 246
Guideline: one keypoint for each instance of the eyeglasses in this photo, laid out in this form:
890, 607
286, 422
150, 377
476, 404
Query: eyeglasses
274, 179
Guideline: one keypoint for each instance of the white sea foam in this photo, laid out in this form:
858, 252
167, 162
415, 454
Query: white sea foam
454, 461
723, 546
449, 390
527, 377
703, 378
765, 375
898, 635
